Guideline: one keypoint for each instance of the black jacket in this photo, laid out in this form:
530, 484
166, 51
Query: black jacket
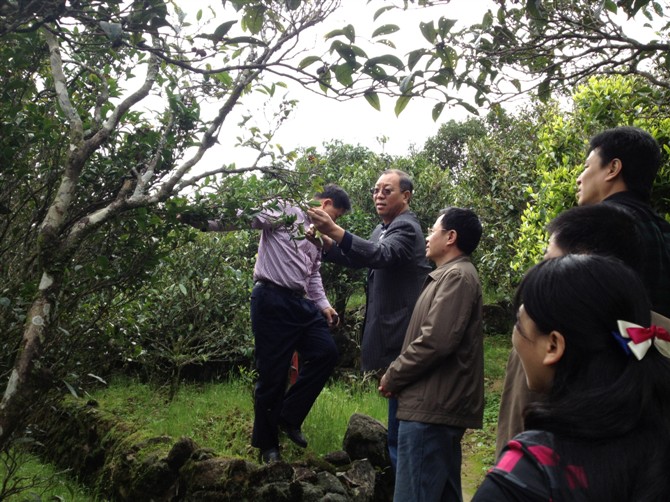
396, 258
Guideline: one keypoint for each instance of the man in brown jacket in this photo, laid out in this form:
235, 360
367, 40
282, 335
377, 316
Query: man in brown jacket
438, 377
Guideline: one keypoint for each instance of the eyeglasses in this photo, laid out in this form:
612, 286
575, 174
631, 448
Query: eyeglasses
385, 191
430, 231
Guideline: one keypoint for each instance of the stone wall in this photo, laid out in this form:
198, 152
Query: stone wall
122, 464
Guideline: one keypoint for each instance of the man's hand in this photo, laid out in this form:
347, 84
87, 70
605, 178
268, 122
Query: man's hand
195, 220
331, 316
325, 224
382, 387
323, 242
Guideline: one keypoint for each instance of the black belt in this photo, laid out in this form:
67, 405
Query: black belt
293, 292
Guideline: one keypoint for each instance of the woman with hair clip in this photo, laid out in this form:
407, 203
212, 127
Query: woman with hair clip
602, 431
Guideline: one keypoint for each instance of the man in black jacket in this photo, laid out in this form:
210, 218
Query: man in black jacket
395, 255
620, 169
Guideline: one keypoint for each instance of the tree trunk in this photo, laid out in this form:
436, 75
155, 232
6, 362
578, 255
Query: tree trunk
20, 387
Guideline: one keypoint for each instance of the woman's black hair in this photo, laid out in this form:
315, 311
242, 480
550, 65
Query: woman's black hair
609, 412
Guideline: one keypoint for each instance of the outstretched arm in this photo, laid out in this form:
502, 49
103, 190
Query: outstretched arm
203, 224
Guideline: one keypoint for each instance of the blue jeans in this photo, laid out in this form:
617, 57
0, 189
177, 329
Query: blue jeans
393, 432
429, 463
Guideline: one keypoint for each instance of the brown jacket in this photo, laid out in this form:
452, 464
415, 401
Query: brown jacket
515, 396
439, 374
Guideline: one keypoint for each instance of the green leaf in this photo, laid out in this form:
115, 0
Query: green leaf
437, 111
253, 19
358, 51
308, 61
343, 74
469, 108
610, 5
501, 15
387, 29
345, 51
487, 20
334, 33
406, 84
324, 80
293, 4
379, 12
373, 98
428, 31
389, 60
71, 389
440, 79
182, 288
414, 57
224, 79
246, 40
401, 104
445, 25
544, 90
637, 5
376, 72
350, 33
387, 42
658, 8
223, 29
448, 56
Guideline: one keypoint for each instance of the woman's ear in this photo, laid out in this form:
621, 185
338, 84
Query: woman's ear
555, 348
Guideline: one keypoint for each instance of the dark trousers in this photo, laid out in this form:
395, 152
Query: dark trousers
284, 322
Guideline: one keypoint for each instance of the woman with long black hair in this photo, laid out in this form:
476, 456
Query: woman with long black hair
602, 431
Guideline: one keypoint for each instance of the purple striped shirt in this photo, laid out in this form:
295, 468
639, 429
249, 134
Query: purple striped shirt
284, 260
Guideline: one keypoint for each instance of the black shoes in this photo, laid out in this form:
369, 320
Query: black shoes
270, 455
294, 434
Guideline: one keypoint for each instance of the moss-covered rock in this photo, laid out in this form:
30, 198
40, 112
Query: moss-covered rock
125, 464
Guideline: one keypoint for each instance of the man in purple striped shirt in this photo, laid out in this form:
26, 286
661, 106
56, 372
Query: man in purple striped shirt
289, 312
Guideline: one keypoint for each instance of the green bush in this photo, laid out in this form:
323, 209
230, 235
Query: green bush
195, 312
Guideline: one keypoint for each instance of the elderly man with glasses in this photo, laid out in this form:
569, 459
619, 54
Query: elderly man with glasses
395, 255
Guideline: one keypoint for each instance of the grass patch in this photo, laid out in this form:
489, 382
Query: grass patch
219, 416
23, 477
327, 422
479, 445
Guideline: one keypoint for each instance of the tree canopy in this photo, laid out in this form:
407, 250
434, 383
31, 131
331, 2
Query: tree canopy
518, 47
